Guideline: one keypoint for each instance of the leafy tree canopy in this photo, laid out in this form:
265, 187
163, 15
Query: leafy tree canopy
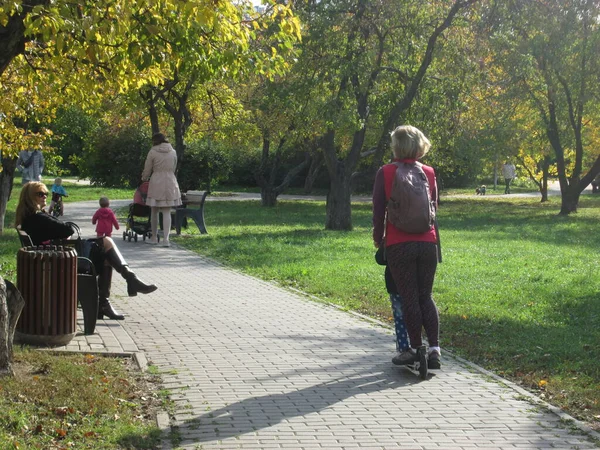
74, 51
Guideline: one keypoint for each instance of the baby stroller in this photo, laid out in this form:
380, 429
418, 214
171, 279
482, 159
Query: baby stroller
138, 219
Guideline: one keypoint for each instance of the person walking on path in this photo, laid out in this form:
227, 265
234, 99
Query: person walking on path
104, 219
163, 190
509, 172
31, 165
42, 227
411, 257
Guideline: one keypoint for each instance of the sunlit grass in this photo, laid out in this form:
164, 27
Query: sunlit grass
82, 192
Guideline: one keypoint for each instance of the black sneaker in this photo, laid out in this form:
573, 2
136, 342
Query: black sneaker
404, 358
433, 361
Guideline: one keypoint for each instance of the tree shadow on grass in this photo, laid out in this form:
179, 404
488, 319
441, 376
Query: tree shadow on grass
561, 342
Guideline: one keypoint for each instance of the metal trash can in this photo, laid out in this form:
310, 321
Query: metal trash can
47, 280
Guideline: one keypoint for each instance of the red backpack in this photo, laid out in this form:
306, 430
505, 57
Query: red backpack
410, 207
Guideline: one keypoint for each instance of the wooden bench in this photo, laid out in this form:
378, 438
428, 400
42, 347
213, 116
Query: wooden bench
195, 199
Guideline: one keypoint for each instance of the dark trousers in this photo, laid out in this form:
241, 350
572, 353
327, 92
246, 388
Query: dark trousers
413, 266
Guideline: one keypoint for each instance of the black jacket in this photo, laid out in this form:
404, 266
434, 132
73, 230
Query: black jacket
43, 227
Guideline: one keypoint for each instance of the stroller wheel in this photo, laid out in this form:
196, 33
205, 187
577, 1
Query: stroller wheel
129, 238
135, 237
144, 237
124, 235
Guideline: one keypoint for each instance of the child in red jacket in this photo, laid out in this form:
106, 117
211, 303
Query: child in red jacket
105, 219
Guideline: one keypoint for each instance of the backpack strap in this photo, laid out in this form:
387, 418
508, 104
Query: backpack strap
437, 236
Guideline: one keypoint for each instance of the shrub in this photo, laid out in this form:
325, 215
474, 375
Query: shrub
115, 157
205, 163
71, 128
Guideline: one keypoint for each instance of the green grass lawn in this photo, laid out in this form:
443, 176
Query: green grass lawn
517, 290
81, 192
77, 401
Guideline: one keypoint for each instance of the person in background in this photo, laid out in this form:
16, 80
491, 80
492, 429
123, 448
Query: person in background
509, 171
42, 227
31, 165
104, 219
411, 257
58, 191
163, 190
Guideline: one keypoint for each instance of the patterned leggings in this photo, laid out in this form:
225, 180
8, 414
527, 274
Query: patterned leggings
413, 266
402, 343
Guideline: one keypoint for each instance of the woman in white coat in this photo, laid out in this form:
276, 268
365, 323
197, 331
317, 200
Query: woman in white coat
163, 190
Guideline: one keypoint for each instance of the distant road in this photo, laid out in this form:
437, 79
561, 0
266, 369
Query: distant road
553, 189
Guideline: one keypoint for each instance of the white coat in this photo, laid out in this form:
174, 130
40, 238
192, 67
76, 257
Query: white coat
160, 165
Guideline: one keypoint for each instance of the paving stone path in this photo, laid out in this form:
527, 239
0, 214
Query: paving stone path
253, 366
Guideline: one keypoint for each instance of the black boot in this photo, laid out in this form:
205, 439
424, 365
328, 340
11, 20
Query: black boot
134, 284
104, 306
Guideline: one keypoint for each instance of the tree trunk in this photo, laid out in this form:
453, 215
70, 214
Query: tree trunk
6, 184
179, 129
544, 188
5, 354
268, 191
12, 38
176, 104
11, 305
268, 195
313, 171
339, 201
153, 116
265, 175
569, 200
148, 97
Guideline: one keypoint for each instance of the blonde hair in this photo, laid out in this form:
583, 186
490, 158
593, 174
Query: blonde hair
409, 142
58, 181
28, 204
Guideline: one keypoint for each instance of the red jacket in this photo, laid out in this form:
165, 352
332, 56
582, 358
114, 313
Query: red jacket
381, 194
105, 219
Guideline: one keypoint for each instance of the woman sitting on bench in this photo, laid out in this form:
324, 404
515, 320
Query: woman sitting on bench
42, 227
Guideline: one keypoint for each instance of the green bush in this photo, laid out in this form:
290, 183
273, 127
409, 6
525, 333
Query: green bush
115, 156
205, 164
244, 163
71, 129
